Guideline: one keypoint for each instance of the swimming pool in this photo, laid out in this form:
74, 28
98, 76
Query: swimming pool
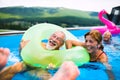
94, 71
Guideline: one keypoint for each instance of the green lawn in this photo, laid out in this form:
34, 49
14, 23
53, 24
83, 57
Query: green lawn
3, 30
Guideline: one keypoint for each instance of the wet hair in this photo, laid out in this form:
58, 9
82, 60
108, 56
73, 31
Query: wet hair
95, 34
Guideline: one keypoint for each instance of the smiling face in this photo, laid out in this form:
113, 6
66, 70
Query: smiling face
107, 37
93, 40
91, 44
56, 40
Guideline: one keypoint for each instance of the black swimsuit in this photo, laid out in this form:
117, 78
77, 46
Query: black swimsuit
98, 57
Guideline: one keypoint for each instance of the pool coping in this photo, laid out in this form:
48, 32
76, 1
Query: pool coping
11, 32
70, 28
22, 32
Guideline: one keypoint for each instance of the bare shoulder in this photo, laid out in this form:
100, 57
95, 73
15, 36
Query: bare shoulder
104, 57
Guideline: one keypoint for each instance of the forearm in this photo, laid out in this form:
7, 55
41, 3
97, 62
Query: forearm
68, 44
109, 72
8, 72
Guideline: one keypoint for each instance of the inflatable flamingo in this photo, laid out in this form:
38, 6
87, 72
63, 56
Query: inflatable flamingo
110, 26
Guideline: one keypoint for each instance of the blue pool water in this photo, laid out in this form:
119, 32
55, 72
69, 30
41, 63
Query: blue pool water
91, 71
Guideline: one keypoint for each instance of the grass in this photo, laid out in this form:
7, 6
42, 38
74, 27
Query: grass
4, 30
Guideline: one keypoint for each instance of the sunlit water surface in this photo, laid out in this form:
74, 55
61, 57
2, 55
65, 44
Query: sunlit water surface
91, 71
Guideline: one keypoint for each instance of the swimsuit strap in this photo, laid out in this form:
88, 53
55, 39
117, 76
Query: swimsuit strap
100, 55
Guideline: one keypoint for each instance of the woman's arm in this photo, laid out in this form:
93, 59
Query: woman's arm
109, 72
70, 43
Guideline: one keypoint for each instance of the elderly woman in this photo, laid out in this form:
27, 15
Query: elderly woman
107, 37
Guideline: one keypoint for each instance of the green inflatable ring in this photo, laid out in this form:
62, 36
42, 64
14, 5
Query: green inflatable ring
35, 55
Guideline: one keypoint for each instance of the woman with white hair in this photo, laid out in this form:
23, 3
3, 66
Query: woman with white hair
107, 37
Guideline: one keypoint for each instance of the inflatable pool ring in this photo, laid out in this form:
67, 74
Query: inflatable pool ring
34, 54
93, 70
110, 26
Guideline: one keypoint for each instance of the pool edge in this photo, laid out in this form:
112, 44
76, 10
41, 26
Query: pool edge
21, 32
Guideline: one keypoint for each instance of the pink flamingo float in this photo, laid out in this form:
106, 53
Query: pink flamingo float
110, 26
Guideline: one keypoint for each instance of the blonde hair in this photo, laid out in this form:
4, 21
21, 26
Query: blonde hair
107, 33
